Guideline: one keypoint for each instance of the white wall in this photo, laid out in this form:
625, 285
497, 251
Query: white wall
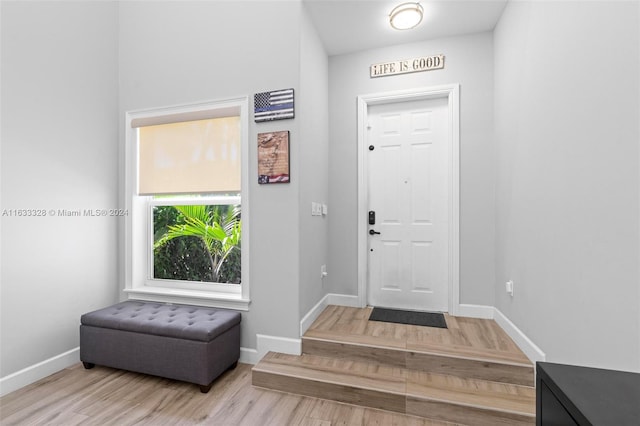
181, 52
567, 198
78, 67
566, 114
468, 61
59, 151
313, 148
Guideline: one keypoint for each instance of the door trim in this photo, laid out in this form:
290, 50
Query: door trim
452, 93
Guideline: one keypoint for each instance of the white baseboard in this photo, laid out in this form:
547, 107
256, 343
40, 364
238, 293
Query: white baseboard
287, 345
533, 352
343, 300
48, 367
525, 344
475, 311
313, 314
38, 371
248, 356
283, 345
328, 299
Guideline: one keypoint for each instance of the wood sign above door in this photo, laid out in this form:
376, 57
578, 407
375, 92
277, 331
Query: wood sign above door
419, 64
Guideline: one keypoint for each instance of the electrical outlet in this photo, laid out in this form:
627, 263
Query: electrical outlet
509, 288
323, 271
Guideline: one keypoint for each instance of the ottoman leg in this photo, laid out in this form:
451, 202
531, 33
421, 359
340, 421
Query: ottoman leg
207, 388
88, 365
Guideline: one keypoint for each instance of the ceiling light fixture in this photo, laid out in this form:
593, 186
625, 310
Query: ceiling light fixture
406, 16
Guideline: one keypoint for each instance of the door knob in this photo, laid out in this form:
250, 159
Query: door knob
372, 232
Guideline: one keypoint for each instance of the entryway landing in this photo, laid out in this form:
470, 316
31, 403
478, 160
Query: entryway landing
469, 373
465, 338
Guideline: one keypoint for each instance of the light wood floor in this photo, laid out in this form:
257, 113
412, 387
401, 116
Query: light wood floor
104, 396
469, 336
471, 372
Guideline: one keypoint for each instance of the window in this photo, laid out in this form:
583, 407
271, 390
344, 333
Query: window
187, 236
197, 240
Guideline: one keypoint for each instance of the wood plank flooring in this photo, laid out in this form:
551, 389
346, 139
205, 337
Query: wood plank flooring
470, 373
476, 338
104, 396
469, 347
389, 359
469, 401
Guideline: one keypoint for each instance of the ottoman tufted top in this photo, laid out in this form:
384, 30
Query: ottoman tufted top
179, 321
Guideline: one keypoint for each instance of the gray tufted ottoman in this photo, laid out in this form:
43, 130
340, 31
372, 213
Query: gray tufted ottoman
190, 343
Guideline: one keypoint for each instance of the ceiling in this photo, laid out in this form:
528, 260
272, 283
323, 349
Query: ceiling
354, 25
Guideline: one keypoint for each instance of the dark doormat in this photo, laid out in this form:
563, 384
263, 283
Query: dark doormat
427, 319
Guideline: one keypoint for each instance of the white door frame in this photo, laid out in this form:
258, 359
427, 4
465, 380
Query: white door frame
452, 93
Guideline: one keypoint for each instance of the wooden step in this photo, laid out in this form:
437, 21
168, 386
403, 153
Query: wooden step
455, 360
390, 387
468, 347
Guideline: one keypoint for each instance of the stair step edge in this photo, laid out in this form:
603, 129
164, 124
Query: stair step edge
415, 397
476, 406
443, 354
332, 382
348, 383
271, 358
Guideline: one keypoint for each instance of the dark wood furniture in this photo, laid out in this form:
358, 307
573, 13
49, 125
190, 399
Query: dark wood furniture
568, 395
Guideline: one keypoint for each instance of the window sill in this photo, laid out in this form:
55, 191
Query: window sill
189, 297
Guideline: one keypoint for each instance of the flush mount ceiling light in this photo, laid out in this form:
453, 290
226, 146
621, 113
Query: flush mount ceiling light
406, 16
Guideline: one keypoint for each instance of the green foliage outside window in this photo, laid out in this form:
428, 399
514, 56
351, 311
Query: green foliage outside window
197, 243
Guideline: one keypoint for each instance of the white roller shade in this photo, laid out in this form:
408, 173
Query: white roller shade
190, 157
178, 117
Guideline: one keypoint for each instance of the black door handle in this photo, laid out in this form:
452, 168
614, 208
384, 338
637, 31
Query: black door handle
372, 232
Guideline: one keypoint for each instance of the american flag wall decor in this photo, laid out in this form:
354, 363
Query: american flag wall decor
275, 105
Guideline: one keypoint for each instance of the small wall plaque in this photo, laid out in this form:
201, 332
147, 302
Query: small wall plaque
273, 157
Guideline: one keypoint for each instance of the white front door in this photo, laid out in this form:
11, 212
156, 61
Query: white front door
408, 193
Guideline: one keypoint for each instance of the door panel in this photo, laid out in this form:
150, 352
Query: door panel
408, 187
